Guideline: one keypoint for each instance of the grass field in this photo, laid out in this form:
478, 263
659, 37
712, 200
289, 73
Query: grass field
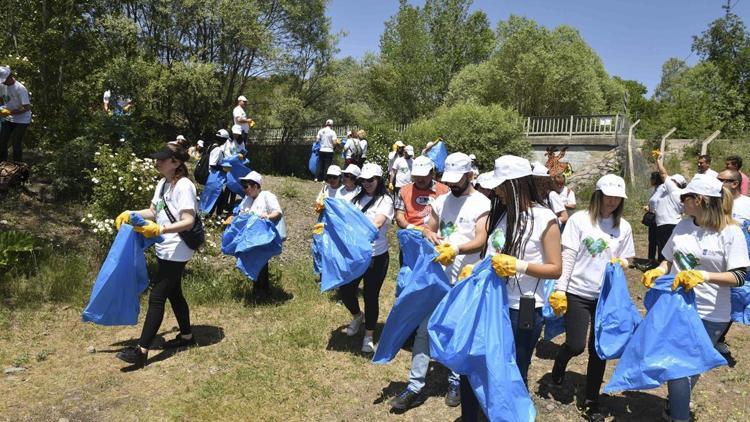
284, 358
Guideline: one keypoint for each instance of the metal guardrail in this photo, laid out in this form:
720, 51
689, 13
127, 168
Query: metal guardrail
600, 124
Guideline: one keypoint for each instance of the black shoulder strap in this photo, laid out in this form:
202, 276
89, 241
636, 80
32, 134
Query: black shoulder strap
166, 206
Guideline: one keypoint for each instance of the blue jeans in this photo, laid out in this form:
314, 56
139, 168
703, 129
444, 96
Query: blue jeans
680, 389
525, 340
420, 360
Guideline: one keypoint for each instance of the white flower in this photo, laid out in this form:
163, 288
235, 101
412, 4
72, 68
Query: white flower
96, 230
89, 216
97, 153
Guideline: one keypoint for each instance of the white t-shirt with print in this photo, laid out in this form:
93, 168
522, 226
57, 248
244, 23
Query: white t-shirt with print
402, 168
239, 113
346, 195
741, 209
457, 221
556, 202
540, 217
326, 136
596, 245
217, 154
567, 196
180, 197
668, 204
266, 202
695, 248
350, 147
16, 96
384, 206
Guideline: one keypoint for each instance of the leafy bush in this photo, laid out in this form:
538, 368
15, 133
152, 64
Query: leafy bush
14, 247
486, 131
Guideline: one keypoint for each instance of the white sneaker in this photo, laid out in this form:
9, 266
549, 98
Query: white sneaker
355, 325
367, 345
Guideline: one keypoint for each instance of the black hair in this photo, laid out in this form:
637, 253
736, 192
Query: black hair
656, 178
705, 157
735, 160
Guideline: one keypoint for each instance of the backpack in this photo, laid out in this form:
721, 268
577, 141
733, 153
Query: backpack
12, 174
201, 168
357, 152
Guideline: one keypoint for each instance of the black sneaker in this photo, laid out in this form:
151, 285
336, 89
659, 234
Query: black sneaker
179, 341
406, 400
593, 413
133, 356
453, 398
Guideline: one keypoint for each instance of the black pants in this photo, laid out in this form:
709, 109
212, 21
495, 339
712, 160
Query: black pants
373, 277
579, 320
653, 244
324, 161
166, 285
663, 233
723, 338
12, 133
261, 284
470, 409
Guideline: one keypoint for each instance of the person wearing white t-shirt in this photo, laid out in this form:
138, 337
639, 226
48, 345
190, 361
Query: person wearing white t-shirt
708, 254
546, 187
458, 229
265, 205
15, 108
590, 241
353, 150
349, 185
176, 193
362, 136
704, 166
330, 188
327, 139
239, 117
525, 247
401, 170
567, 195
397, 151
377, 206
668, 206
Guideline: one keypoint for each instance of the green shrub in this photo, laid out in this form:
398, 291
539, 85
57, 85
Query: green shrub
486, 131
14, 248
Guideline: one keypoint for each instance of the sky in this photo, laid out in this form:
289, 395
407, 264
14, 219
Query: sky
633, 38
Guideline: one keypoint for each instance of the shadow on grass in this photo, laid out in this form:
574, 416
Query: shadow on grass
565, 393
340, 342
436, 385
205, 335
546, 349
633, 406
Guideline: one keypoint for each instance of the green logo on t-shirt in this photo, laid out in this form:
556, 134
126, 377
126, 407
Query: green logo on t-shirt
159, 206
686, 262
595, 247
497, 239
447, 229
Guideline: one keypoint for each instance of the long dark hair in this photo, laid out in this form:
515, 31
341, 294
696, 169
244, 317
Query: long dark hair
544, 186
180, 154
379, 193
520, 195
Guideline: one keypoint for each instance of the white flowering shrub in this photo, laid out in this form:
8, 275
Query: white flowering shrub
121, 181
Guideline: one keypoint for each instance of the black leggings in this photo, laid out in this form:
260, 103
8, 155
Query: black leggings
373, 277
663, 234
579, 319
324, 161
262, 282
166, 285
653, 244
12, 134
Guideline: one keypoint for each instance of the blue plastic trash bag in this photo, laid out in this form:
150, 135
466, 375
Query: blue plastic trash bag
345, 246
741, 295
616, 316
438, 153
253, 240
212, 190
424, 287
281, 228
670, 343
470, 332
413, 251
233, 177
121, 280
402, 279
312, 164
553, 325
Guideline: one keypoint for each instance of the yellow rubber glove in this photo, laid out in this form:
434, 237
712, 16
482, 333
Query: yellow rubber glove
446, 253
124, 217
319, 207
318, 228
252, 123
390, 187
228, 221
689, 279
622, 261
150, 229
465, 272
4, 112
417, 228
504, 265
241, 156
649, 276
559, 302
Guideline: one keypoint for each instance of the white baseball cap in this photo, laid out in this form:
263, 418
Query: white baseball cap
507, 167
180, 138
333, 170
702, 184
329, 122
237, 129
422, 166
4, 73
484, 180
222, 133
241, 98
253, 176
537, 169
613, 185
680, 179
456, 165
370, 170
400, 144
200, 143
409, 150
472, 157
352, 169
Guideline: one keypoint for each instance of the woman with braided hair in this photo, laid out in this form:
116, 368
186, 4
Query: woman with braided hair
525, 249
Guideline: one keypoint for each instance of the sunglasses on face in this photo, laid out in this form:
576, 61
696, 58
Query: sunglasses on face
330, 177
727, 180
349, 176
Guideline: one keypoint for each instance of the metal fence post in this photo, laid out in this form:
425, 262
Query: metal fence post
630, 151
664, 140
704, 144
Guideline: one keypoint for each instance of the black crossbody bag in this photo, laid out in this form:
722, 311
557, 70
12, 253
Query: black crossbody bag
194, 237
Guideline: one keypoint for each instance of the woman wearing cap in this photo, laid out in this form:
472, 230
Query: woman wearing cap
377, 206
656, 182
330, 188
196, 151
350, 187
668, 207
265, 205
707, 253
481, 181
401, 171
362, 136
525, 246
175, 193
591, 239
